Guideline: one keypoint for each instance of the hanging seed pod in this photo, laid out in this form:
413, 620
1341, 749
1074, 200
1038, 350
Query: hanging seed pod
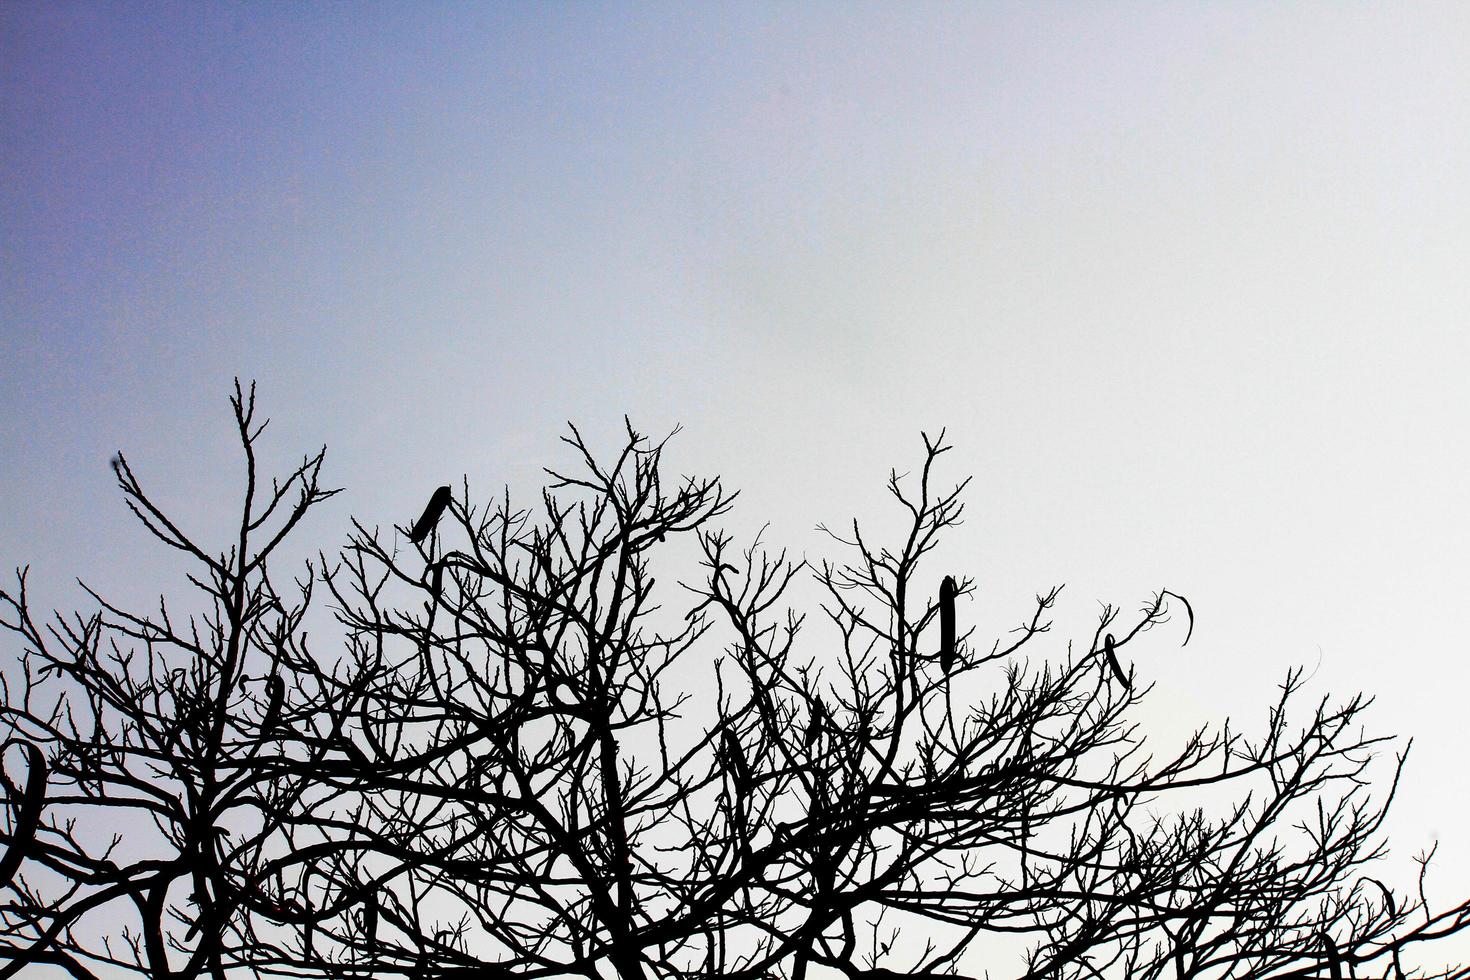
1334, 958
1391, 906
436, 581
275, 695
431, 515
947, 590
370, 917
27, 809
1108, 648
814, 727
735, 759
308, 931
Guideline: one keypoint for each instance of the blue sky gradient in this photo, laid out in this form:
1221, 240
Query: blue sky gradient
1186, 282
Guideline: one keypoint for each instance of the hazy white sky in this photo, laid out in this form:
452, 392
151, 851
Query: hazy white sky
1187, 283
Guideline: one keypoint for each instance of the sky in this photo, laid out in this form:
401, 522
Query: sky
1186, 283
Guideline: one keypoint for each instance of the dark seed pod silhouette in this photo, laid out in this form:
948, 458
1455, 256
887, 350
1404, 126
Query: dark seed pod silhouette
436, 581
431, 515
1389, 905
27, 810
814, 727
735, 759
1113, 662
947, 590
370, 917
308, 924
1334, 958
276, 693
821, 795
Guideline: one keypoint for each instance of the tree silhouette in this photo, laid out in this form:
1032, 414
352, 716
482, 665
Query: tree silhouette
521, 756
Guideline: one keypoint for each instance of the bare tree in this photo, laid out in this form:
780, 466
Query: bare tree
525, 759
152, 743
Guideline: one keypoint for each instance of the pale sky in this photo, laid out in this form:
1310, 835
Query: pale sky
1189, 284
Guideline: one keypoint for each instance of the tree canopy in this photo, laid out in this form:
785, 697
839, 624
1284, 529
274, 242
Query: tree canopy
522, 755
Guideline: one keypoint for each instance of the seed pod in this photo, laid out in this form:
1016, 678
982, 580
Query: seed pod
27, 810
308, 930
431, 515
1334, 958
275, 695
370, 917
947, 590
814, 727
1389, 905
735, 759
1113, 662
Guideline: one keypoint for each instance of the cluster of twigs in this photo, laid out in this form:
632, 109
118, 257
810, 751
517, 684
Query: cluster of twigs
520, 760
